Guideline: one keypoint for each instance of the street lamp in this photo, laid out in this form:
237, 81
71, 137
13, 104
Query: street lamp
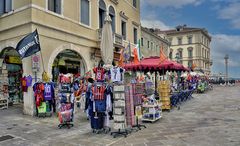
226, 64
177, 57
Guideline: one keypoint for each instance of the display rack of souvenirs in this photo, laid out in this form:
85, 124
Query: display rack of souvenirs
4, 94
149, 88
14, 79
164, 92
66, 101
151, 109
44, 98
99, 97
138, 90
15, 88
119, 111
98, 108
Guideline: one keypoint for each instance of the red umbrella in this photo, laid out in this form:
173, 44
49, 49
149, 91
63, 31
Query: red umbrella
152, 63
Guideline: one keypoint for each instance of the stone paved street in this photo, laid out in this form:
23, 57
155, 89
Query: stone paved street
211, 119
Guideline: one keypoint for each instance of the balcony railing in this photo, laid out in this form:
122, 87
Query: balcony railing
117, 38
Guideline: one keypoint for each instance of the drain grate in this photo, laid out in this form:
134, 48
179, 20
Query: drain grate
6, 137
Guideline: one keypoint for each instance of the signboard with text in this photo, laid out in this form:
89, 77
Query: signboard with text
35, 63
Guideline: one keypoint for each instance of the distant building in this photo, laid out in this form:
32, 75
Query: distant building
191, 45
151, 43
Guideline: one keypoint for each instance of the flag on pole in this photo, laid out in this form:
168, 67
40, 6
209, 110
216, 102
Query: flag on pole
29, 45
121, 60
126, 54
130, 51
135, 56
194, 65
162, 56
139, 50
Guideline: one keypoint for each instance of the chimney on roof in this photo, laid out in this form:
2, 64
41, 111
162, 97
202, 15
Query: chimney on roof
151, 29
179, 28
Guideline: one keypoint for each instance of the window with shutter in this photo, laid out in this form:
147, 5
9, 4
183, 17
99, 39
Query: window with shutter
85, 12
102, 11
5, 6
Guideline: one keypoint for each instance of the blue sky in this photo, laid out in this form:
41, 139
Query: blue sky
220, 17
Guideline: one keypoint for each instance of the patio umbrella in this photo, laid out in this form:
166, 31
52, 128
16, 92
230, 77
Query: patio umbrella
107, 41
152, 64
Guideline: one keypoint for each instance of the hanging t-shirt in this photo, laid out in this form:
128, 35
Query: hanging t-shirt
38, 89
98, 92
116, 74
48, 91
29, 80
99, 73
24, 84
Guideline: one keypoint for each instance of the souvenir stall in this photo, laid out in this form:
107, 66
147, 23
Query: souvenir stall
152, 110
164, 92
4, 93
65, 101
152, 64
44, 98
109, 93
99, 100
120, 112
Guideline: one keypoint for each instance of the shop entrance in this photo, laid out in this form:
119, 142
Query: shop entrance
11, 74
67, 61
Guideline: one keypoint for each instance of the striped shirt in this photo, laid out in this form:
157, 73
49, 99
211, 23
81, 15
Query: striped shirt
98, 92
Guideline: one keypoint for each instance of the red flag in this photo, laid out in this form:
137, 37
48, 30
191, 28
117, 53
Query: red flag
194, 66
121, 60
135, 56
162, 56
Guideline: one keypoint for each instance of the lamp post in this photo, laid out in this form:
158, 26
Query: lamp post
226, 64
177, 58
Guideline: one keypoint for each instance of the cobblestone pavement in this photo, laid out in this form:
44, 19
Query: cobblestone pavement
211, 119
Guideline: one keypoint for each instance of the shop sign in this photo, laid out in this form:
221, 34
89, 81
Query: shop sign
14, 60
35, 63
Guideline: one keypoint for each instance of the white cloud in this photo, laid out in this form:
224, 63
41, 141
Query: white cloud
151, 20
172, 3
231, 12
221, 45
154, 24
225, 43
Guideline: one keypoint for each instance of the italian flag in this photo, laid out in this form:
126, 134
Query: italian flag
136, 52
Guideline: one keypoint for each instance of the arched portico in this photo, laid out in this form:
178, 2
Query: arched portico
72, 47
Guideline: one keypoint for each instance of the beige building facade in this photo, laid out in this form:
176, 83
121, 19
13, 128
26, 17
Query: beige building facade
67, 25
190, 46
151, 43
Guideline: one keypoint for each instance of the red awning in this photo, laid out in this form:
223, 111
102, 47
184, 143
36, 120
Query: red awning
153, 64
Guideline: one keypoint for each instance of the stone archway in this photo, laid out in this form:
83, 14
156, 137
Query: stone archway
62, 48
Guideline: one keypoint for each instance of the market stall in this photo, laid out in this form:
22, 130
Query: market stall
153, 65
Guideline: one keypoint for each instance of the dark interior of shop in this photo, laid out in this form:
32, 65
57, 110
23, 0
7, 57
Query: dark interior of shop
67, 61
